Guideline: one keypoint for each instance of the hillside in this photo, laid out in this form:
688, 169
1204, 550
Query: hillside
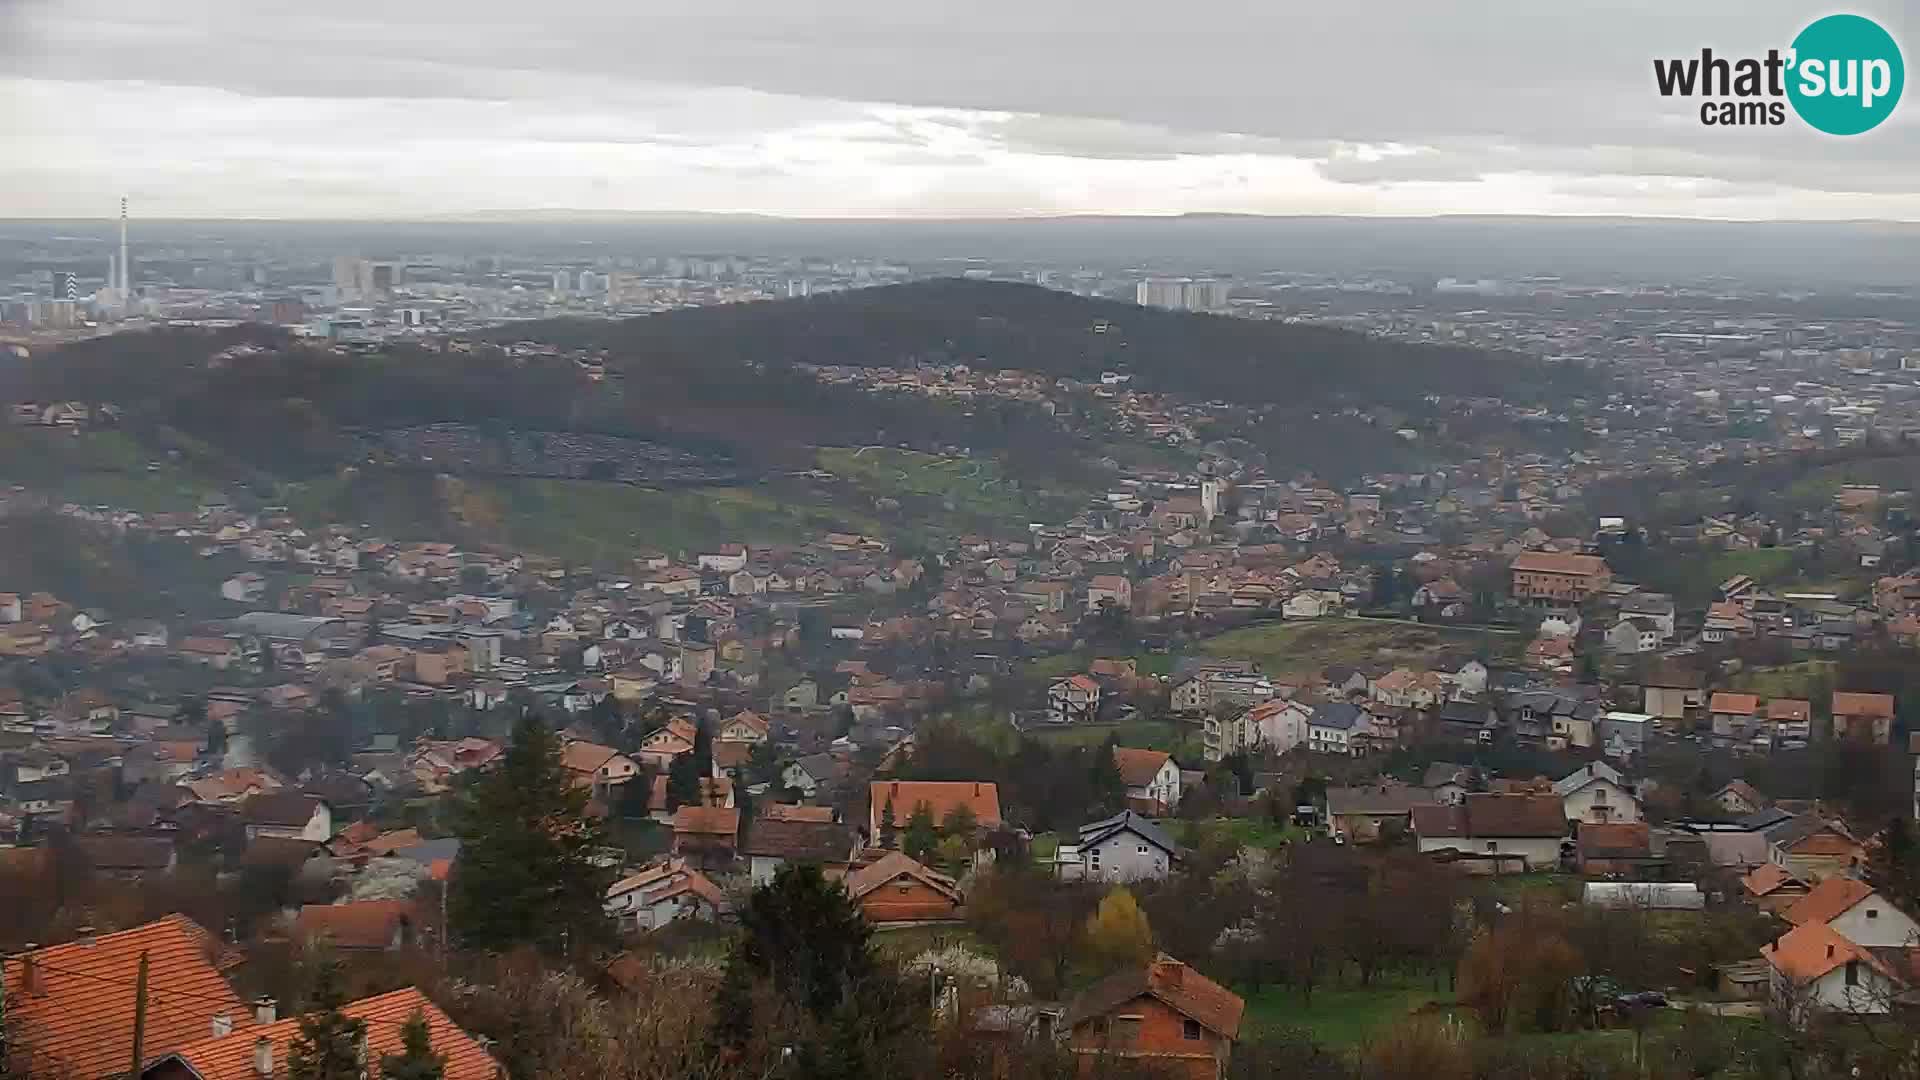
1012, 326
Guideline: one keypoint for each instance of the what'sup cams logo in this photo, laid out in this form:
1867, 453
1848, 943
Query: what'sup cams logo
1842, 75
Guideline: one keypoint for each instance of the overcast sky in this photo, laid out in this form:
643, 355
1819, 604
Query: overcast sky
329, 108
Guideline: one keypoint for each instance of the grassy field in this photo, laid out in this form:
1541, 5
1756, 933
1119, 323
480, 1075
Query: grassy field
1060, 665
1346, 1014
1246, 832
1786, 681
106, 468
975, 491
1315, 643
579, 520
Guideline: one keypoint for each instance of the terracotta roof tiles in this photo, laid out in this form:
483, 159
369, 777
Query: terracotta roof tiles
77, 1018
232, 1057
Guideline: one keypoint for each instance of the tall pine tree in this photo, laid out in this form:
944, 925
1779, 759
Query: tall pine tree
328, 1045
416, 1059
528, 872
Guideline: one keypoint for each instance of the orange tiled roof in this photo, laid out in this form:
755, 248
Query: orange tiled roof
1137, 767
1807, 952
1846, 703
1767, 878
1828, 901
364, 924
78, 1017
940, 797
231, 1057
1553, 562
1735, 704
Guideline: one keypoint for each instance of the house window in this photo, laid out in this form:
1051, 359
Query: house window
1873, 913
1126, 1031
1493, 845
1853, 973
903, 889
1190, 1030
1142, 849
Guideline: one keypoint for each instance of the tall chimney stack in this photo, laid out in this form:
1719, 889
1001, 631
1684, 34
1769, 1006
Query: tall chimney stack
126, 275
263, 1056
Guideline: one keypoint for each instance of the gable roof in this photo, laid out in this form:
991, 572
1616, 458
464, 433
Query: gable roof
1169, 981
1847, 703
1829, 900
1724, 701
1377, 799
1554, 562
1811, 950
1615, 840
1490, 814
72, 1026
231, 1057
807, 841
940, 797
1769, 878
1789, 710
290, 809
1338, 715
1098, 832
894, 865
1138, 767
707, 821
363, 924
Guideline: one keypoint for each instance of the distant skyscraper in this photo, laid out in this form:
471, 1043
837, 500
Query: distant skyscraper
1161, 293
562, 279
66, 285
346, 276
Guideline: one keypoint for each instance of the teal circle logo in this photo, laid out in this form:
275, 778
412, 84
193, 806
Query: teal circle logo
1846, 74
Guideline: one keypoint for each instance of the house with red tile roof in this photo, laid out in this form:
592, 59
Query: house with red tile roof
261, 1051
359, 926
70, 1008
899, 889
1863, 717
1151, 777
1855, 911
941, 798
1813, 968
1163, 1014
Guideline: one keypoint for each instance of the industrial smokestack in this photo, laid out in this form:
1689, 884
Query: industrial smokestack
126, 277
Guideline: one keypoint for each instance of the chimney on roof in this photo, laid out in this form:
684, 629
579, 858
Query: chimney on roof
28, 971
84, 936
976, 790
1169, 971
263, 1056
222, 1026
265, 1010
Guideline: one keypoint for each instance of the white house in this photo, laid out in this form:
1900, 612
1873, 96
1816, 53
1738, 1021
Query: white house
661, 892
1311, 604
1074, 699
1597, 794
287, 815
1495, 833
1813, 968
1334, 727
1632, 635
244, 588
726, 558
1125, 847
1852, 909
1152, 779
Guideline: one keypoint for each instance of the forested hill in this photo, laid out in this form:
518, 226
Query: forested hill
1006, 325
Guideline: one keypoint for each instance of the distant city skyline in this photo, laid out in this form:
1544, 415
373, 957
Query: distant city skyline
853, 108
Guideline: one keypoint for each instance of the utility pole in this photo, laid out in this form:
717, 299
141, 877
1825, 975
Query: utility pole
140, 1017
